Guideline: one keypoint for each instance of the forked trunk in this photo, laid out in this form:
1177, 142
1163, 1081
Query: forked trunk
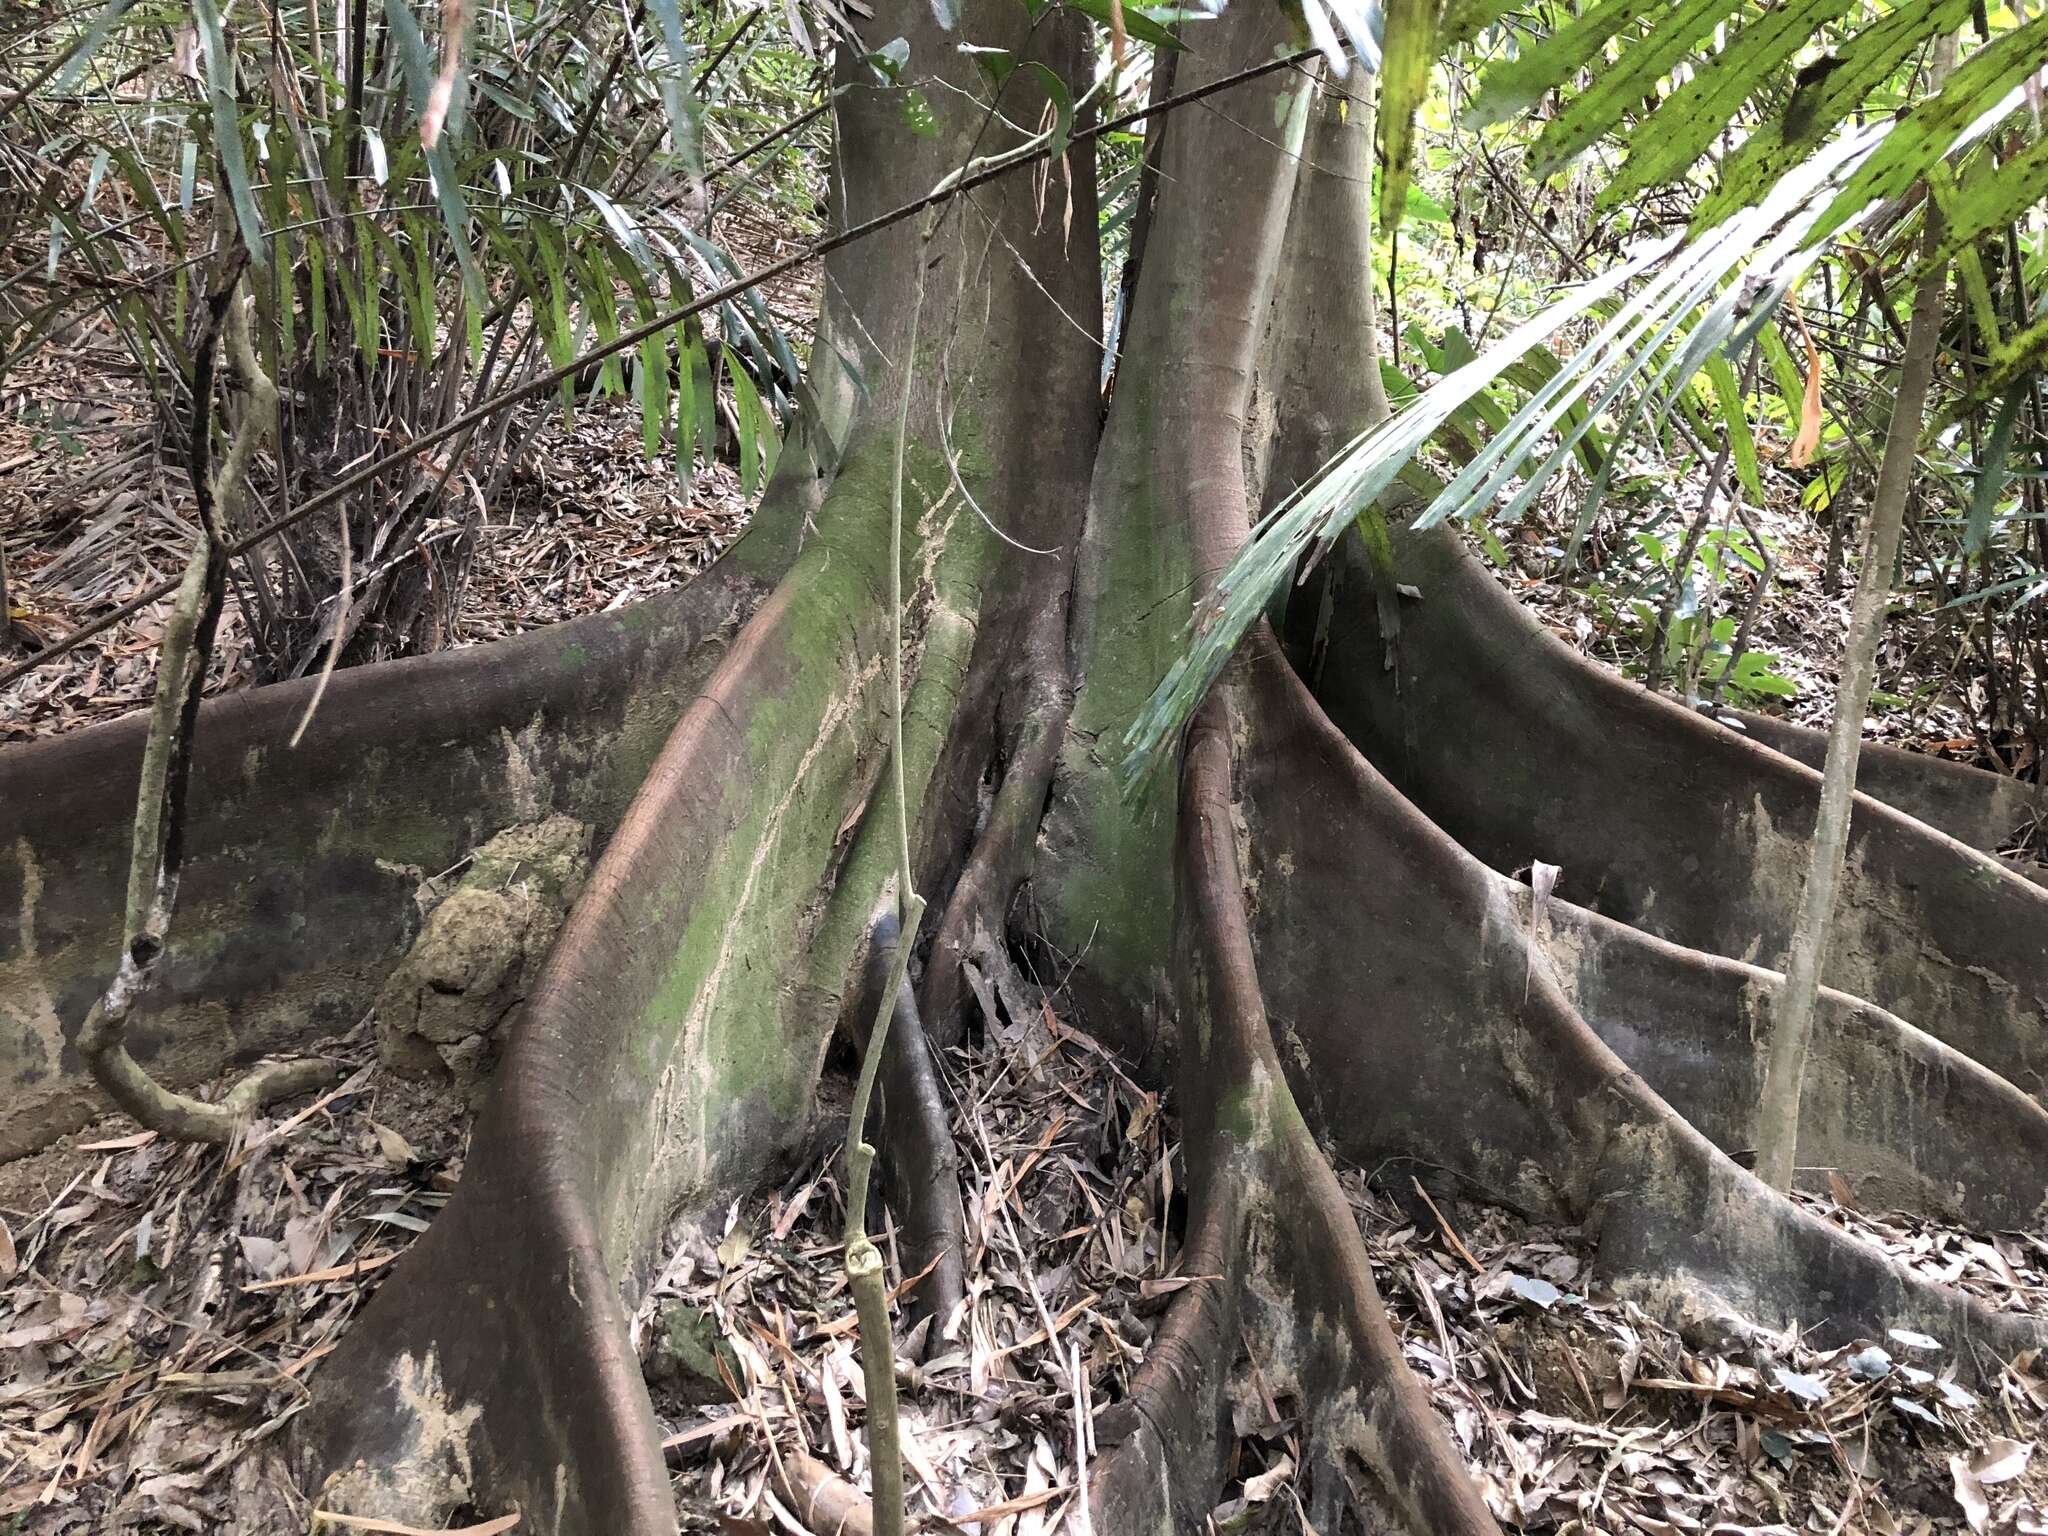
1304, 924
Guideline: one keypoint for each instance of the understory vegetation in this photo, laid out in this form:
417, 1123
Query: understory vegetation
1359, 686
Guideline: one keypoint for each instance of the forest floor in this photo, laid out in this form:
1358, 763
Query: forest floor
89, 517
162, 1308
91, 514
1929, 688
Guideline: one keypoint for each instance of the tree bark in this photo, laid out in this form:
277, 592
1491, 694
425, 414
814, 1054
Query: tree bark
1304, 928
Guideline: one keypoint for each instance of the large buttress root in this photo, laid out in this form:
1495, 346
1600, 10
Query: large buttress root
1521, 749
1276, 1253
1983, 809
1911, 1122
1275, 1261
620, 1096
1433, 1007
1438, 1014
302, 864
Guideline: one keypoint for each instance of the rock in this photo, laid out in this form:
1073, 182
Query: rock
439, 1011
687, 1355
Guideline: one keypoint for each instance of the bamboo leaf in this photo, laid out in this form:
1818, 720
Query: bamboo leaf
1807, 443
227, 128
650, 385
1515, 85
95, 38
759, 445
685, 111
1735, 422
686, 408
1921, 137
417, 61
1136, 23
1620, 91
2019, 355
1824, 94
1699, 111
1992, 199
703, 389
1411, 51
1991, 474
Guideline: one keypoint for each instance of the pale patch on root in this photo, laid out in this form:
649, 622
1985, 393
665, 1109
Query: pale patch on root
426, 1471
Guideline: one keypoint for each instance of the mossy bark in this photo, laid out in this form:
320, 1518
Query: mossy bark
1303, 925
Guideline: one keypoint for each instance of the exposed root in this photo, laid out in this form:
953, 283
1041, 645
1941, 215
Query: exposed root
1477, 1062
919, 1160
1920, 1125
183, 1117
1004, 844
1972, 805
1521, 749
1291, 1270
157, 854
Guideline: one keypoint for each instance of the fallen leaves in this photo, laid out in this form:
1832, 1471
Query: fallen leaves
1066, 1170
165, 1304
1577, 1413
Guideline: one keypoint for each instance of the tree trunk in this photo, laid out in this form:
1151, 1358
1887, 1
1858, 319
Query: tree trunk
1303, 925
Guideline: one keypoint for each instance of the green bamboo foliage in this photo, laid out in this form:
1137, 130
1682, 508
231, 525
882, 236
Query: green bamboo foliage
544, 211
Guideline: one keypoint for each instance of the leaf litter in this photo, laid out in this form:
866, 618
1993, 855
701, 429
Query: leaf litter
1578, 1413
162, 1309
1068, 1172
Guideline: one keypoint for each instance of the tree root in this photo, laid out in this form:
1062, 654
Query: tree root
1001, 856
1275, 1259
156, 858
467, 742
1662, 819
647, 1076
668, 1050
1972, 805
919, 1159
179, 1115
1476, 1061
1909, 1121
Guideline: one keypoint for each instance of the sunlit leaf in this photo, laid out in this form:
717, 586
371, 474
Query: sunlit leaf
1824, 94
1409, 56
1734, 413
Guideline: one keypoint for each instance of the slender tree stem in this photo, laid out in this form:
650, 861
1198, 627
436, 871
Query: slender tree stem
1792, 1030
863, 1261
